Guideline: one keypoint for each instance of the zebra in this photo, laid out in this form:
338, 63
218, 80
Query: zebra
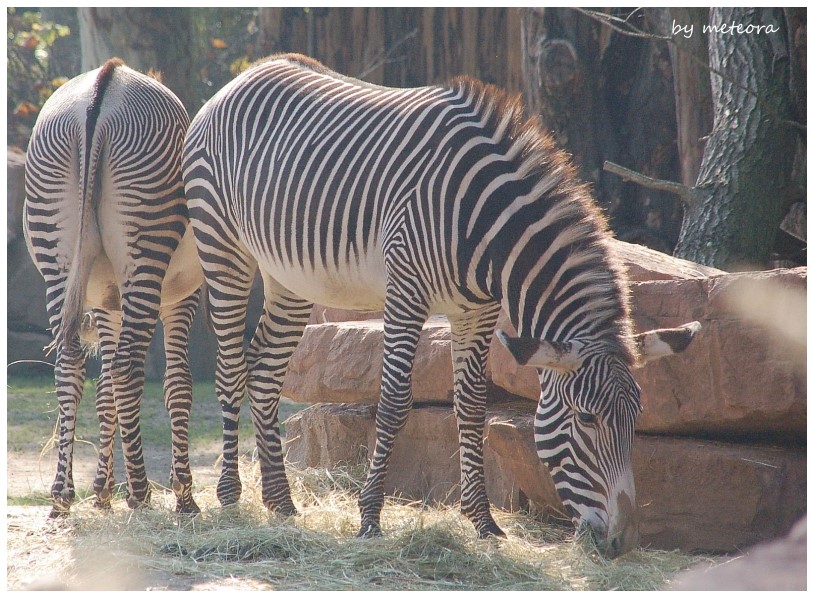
106, 224
439, 199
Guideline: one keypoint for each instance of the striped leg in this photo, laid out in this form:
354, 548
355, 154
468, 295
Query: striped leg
69, 376
108, 325
228, 295
403, 320
177, 320
471, 335
278, 333
139, 317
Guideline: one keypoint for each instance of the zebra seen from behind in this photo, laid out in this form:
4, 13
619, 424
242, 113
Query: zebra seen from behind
415, 201
106, 224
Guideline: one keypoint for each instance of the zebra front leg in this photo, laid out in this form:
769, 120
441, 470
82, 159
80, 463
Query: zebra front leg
108, 325
139, 317
471, 336
69, 377
278, 332
177, 320
403, 321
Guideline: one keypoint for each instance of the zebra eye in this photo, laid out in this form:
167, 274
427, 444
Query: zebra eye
586, 418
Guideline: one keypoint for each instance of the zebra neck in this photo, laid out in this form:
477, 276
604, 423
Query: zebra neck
574, 293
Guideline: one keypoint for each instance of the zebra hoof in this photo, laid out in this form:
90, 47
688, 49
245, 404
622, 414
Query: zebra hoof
136, 503
187, 507
101, 504
229, 490
61, 503
287, 510
370, 530
58, 512
103, 498
491, 531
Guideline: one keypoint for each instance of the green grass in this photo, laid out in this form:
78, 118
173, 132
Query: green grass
32, 412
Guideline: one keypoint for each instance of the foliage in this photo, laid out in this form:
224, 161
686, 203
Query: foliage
30, 77
228, 42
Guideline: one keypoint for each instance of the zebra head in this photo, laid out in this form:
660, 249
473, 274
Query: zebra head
583, 428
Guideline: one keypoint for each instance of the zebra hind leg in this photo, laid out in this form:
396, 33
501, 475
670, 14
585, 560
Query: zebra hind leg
177, 321
403, 321
69, 375
139, 317
227, 298
108, 324
278, 332
471, 335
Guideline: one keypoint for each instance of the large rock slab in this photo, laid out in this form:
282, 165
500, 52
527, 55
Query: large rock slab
770, 566
643, 263
342, 362
15, 193
692, 494
736, 378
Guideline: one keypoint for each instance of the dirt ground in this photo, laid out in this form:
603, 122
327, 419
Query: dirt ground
36, 551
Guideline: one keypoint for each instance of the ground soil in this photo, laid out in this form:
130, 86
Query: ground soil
35, 563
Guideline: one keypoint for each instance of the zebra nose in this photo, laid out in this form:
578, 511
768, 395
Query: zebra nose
612, 548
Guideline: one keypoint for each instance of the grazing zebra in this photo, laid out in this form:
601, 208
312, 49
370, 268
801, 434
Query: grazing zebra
417, 201
106, 225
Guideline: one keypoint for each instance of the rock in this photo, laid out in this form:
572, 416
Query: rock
329, 434
15, 194
692, 494
26, 353
734, 379
713, 496
644, 263
776, 566
424, 464
342, 362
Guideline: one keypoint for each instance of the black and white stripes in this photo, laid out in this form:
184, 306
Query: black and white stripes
418, 201
105, 221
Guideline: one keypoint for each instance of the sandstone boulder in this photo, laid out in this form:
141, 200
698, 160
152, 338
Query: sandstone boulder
692, 494
643, 263
15, 194
770, 566
342, 362
737, 378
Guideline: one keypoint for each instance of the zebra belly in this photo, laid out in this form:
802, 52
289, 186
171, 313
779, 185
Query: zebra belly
183, 276
356, 287
184, 273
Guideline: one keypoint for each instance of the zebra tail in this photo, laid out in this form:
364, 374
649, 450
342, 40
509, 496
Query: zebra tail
88, 239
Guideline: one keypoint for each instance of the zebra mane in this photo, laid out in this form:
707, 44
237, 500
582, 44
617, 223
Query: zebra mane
560, 185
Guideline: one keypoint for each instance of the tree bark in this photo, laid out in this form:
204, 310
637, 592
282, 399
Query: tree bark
607, 97
746, 173
693, 92
145, 38
561, 53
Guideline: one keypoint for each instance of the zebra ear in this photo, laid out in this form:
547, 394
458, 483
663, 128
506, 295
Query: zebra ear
665, 341
542, 354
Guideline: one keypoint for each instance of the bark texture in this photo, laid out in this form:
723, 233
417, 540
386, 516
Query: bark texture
693, 92
145, 38
745, 178
607, 97
401, 46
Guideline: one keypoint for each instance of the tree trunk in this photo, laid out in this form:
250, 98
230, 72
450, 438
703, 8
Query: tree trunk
693, 92
561, 54
607, 97
145, 38
65, 58
746, 173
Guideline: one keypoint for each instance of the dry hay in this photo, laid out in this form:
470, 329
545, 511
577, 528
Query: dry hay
244, 547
